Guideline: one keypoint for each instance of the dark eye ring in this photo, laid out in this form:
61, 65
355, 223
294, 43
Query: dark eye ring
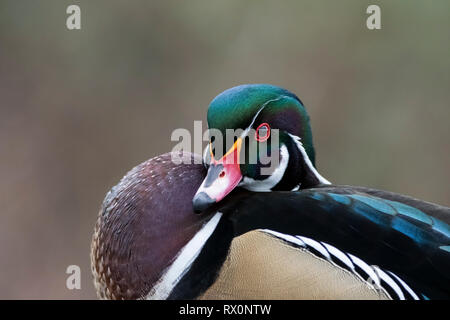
262, 133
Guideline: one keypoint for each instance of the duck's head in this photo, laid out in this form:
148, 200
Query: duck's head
265, 143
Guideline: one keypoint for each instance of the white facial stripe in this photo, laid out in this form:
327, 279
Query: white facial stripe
183, 261
299, 144
271, 181
245, 133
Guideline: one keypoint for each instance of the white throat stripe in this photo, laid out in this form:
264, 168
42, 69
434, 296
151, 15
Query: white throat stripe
271, 181
183, 261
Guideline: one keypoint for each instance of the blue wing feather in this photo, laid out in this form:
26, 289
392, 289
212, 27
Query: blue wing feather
399, 216
403, 235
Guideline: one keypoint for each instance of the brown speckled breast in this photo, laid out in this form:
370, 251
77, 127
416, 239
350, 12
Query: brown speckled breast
143, 222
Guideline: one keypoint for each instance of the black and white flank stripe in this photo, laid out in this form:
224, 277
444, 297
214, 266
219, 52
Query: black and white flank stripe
380, 279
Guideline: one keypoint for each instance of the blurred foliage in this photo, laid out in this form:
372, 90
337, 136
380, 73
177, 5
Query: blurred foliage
79, 109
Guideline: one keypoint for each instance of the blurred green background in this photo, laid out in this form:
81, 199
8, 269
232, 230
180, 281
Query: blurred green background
78, 109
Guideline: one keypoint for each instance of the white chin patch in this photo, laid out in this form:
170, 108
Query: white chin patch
267, 184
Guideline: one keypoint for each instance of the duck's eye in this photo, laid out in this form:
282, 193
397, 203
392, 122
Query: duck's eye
262, 132
222, 174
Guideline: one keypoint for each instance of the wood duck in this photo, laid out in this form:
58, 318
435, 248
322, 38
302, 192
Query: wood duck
257, 110
287, 234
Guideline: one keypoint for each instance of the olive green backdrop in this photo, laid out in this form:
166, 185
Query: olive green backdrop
78, 109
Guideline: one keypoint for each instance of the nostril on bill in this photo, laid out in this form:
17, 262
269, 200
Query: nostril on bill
201, 202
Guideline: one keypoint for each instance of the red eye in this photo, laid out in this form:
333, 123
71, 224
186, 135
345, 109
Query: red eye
262, 132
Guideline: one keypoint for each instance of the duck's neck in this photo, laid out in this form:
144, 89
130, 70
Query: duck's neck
205, 264
300, 172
